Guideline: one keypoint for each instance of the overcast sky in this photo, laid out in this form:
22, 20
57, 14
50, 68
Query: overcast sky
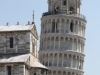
14, 11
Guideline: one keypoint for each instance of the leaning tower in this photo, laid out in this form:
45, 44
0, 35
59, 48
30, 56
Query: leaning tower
62, 38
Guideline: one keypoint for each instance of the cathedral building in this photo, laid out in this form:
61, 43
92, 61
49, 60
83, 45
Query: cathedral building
62, 38
18, 50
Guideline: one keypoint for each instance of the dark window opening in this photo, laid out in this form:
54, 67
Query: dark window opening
50, 64
71, 27
71, 10
11, 42
42, 72
46, 64
43, 63
53, 27
34, 73
56, 10
64, 2
9, 70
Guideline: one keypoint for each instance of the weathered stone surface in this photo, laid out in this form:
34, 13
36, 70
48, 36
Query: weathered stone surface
20, 58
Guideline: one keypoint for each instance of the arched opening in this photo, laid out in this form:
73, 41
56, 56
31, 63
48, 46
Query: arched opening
65, 60
60, 60
59, 72
62, 26
75, 44
80, 63
70, 44
52, 43
43, 60
69, 73
67, 22
55, 59
71, 10
49, 26
43, 28
66, 43
56, 10
49, 73
57, 43
74, 61
64, 73
46, 62
62, 43
46, 26
76, 74
48, 45
57, 26
73, 73
69, 61
71, 26
45, 44
54, 72
50, 59
77, 62
53, 27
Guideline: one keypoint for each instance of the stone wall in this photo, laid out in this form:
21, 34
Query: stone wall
21, 42
15, 69
33, 46
2, 70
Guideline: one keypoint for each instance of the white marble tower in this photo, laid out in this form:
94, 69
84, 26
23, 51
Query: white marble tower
62, 38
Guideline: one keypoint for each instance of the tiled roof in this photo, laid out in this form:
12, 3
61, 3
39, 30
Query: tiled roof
37, 64
13, 58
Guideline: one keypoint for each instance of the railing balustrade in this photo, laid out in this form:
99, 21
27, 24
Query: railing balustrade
76, 15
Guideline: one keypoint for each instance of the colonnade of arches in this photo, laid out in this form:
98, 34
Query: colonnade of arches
62, 43
59, 72
63, 26
62, 60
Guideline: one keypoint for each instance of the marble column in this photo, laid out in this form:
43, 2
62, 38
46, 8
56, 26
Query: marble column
67, 7
59, 43
53, 60
58, 60
60, 27
73, 45
62, 59
54, 42
72, 62
50, 43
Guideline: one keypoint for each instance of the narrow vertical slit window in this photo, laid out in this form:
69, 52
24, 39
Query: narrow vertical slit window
64, 2
8, 70
11, 42
71, 26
